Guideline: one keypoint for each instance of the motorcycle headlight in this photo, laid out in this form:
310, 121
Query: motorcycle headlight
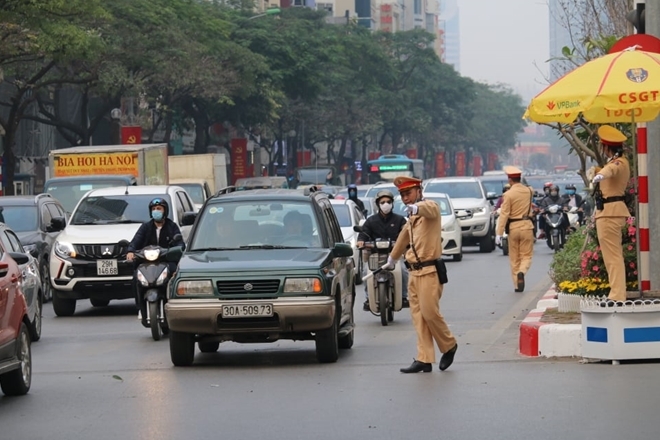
383, 244
306, 285
142, 280
162, 277
151, 254
64, 249
553, 209
373, 263
449, 227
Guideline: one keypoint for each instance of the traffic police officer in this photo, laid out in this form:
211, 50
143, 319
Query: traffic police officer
516, 213
611, 210
424, 289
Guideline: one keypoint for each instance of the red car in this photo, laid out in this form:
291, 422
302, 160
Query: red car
15, 353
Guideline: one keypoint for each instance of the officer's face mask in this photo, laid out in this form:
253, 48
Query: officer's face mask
385, 207
570, 192
157, 215
554, 193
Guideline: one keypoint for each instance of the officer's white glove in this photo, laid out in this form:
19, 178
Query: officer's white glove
498, 240
390, 263
412, 209
597, 178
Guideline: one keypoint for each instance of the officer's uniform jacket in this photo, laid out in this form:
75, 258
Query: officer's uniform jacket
427, 236
616, 175
517, 205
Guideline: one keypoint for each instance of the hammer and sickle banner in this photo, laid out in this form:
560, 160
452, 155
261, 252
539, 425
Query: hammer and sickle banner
131, 135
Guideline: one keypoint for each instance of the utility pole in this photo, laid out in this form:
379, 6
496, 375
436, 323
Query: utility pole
652, 22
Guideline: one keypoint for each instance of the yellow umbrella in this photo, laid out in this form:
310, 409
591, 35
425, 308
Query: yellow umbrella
618, 87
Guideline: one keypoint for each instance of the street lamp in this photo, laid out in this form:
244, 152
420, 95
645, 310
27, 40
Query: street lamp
271, 11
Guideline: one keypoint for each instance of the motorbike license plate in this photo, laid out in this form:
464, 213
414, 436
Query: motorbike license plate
106, 267
247, 310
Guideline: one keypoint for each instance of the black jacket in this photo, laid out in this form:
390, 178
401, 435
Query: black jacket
549, 201
359, 204
146, 236
566, 198
382, 226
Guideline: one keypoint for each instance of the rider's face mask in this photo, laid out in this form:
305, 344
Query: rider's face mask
554, 193
157, 215
352, 193
571, 192
386, 207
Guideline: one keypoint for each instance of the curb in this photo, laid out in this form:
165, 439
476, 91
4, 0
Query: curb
542, 339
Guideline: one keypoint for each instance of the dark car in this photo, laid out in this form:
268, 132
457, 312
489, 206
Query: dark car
30, 217
260, 266
15, 349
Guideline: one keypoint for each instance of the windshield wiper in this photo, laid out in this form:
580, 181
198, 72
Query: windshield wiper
213, 249
268, 246
122, 221
86, 222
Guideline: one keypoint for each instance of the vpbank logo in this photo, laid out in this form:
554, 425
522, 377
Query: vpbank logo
563, 105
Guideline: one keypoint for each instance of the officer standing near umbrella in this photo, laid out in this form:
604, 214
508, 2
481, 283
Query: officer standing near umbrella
611, 209
423, 233
516, 215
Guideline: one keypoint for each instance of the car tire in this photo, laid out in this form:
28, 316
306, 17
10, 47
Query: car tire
457, 257
47, 289
487, 243
35, 325
327, 342
63, 306
208, 347
17, 382
182, 349
96, 302
346, 341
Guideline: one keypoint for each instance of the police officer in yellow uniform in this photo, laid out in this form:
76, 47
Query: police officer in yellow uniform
516, 213
423, 233
611, 210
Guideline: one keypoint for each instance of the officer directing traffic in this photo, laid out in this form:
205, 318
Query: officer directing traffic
611, 210
421, 241
517, 218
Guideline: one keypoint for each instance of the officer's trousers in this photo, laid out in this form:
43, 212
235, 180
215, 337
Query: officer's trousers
424, 293
609, 230
521, 249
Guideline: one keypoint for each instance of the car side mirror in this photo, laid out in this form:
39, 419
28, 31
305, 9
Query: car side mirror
177, 237
188, 218
19, 258
358, 229
56, 224
343, 250
491, 196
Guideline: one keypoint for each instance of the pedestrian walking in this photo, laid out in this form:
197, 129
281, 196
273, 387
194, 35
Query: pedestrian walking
421, 241
611, 209
517, 219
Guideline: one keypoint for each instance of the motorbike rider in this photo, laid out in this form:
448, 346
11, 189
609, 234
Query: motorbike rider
385, 224
353, 195
553, 199
505, 188
159, 231
573, 200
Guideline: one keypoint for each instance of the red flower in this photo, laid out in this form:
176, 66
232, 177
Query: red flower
632, 264
630, 248
595, 268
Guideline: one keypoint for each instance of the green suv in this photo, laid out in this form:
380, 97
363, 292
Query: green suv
260, 266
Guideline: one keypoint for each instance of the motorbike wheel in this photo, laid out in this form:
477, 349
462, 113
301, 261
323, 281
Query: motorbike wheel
154, 320
383, 303
505, 247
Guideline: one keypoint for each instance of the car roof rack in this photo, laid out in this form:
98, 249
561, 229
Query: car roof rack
38, 196
226, 190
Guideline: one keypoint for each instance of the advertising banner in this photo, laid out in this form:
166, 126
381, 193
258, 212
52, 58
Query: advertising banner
460, 163
96, 163
476, 165
440, 165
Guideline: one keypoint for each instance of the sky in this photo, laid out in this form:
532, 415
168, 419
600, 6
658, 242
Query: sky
505, 41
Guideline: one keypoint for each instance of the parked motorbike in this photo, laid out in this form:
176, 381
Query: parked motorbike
384, 285
153, 274
555, 232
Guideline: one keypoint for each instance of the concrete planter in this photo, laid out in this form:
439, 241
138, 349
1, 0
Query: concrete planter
568, 303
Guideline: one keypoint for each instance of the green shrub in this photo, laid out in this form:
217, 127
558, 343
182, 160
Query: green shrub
566, 263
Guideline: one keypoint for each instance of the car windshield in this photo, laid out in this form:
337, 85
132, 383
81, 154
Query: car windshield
195, 191
371, 192
456, 190
133, 208
69, 193
20, 218
256, 225
494, 186
343, 215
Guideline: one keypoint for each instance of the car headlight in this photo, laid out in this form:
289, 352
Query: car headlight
305, 285
162, 277
479, 210
64, 249
29, 248
142, 279
449, 227
196, 287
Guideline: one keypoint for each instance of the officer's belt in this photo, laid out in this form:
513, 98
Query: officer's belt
614, 199
511, 220
419, 266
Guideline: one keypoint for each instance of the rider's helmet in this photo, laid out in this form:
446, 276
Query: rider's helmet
384, 193
554, 188
352, 191
506, 187
546, 187
158, 201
